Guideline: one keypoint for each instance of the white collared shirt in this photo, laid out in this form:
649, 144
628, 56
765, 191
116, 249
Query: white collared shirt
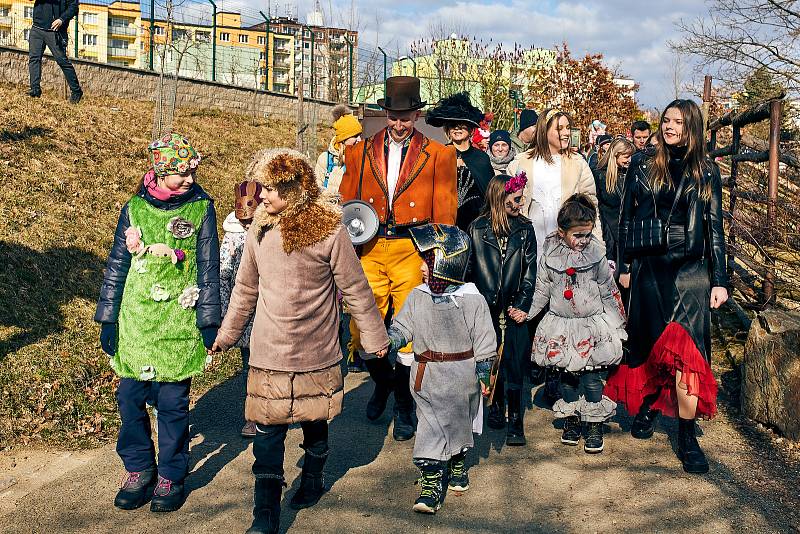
393, 163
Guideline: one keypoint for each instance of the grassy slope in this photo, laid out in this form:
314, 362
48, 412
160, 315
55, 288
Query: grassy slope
65, 172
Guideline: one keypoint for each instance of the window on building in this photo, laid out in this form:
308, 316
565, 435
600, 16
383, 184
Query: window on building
202, 37
26, 34
179, 34
90, 18
262, 39
320, 35
28, 12
306, 45
225, 37
262, 71
89, 39
159, 30
243, 38
119, 43
463, 68
5, 12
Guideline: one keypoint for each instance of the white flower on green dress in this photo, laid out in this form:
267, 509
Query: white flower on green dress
189, 297
148, 372
158, 293
140, 265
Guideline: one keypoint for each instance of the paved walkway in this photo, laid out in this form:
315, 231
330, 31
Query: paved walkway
634, 486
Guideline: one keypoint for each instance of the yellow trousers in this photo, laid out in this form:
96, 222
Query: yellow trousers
392, 267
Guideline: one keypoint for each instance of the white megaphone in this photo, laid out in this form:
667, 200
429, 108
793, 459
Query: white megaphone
361, 221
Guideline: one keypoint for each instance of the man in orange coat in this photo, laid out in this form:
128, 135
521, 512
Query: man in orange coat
410, 180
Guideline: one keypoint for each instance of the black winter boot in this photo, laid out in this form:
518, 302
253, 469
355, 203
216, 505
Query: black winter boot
644, 424
458, 477
312, 483
381, 372
497, 410
593, 443
266, 506
404, 404
168, 496
571, 434
689, 451
136, 489
515, 433
431, 492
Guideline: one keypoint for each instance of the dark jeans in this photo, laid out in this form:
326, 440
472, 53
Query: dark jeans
269, 446
590, 382
134, 444
57, 43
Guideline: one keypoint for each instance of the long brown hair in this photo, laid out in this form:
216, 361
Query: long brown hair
495, 206
608, 162
540, 148
695, 159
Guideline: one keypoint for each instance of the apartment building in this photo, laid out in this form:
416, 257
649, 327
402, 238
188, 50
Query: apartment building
321, 50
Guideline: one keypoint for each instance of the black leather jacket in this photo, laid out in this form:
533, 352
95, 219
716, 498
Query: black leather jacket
508, 282
705, 236
119, 262
608, 203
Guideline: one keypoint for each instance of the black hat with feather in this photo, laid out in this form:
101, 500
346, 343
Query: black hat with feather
455, 108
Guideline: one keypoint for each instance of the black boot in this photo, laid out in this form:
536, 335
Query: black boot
381, 373
312, 484
168, 496
136, 489
644, 424
593, 443
431, 492
497, 410
515, 433
689, 451
266, 506
404, 404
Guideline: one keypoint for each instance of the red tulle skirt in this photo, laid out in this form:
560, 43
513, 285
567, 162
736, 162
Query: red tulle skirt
674, 351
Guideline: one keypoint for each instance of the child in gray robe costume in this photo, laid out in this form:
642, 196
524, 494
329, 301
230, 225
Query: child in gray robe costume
454, 342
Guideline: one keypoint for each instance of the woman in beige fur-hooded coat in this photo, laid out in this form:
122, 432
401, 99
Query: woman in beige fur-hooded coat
294, 259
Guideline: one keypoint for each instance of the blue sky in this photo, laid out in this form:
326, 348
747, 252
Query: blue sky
632, 35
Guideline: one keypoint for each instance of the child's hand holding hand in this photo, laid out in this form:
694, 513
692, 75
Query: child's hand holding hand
382, 353
518, 316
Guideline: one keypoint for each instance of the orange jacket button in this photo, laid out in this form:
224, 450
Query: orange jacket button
370, 200
414, 219
412, 204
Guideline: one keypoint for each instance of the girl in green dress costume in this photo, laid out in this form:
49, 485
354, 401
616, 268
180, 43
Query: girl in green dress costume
159, 308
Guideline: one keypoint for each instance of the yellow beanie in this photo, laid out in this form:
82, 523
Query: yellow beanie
346, 126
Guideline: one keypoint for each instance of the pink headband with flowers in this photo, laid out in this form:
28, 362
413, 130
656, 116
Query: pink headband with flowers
517, 183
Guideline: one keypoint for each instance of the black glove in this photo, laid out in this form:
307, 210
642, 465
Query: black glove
209, 334
108, 338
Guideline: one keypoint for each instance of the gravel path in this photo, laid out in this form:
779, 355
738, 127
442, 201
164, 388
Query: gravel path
634, 486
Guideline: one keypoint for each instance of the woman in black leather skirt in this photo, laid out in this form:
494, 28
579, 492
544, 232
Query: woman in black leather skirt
667, 369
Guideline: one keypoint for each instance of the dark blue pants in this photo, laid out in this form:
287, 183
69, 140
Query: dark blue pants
269, 446
134, 445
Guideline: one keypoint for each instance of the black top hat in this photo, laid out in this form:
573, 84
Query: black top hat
455, 108
402, 94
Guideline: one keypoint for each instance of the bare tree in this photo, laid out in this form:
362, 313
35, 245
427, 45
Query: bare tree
740, 36
676, 75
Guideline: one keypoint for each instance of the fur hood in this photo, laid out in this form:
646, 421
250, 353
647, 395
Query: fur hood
301, 226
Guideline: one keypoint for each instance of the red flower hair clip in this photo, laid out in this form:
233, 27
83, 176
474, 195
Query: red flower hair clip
517, 183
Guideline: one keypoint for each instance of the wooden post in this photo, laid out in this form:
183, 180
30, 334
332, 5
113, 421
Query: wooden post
772, 191
706, 103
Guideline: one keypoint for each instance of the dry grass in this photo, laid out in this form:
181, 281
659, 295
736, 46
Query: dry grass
65, 172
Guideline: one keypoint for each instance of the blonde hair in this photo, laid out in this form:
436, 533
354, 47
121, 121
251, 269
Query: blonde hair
619, 146
495, 207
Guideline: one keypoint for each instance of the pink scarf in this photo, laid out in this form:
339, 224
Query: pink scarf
151, 184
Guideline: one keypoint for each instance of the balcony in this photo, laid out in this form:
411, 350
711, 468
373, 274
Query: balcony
118, 30
5, 21
284, 65
122, 52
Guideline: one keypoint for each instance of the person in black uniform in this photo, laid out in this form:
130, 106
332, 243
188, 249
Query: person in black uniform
673, 287
459, 118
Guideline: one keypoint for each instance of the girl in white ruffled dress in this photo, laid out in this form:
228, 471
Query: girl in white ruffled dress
582, 332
